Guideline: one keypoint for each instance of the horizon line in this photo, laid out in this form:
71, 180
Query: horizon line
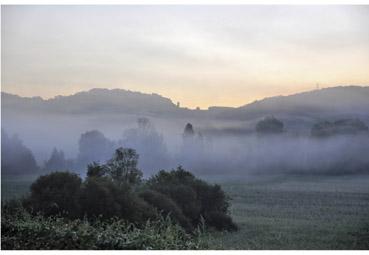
195, 108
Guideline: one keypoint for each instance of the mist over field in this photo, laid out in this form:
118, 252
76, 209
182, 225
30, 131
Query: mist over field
89, 126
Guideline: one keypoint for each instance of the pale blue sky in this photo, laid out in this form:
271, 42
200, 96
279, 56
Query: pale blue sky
198, 55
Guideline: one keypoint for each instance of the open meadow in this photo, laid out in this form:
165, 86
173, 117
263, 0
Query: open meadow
298, 212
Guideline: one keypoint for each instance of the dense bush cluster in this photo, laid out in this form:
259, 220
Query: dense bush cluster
195, 198
116, 189
68, 208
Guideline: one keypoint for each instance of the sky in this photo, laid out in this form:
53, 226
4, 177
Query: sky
199, 56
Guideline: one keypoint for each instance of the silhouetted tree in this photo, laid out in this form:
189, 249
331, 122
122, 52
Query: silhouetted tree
93, 146
123, 166
188, 131
56, 162
269, 125
148, 143
109, 189
344, 126
16, 158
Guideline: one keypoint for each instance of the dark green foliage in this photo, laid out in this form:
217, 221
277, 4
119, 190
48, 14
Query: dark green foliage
269, 125
56, 193
166, 206
194, 197
101, 197
109, 189
24, 231
98, 198
126, 212
123, 167
345, 126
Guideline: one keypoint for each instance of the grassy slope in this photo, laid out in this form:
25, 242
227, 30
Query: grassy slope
298, 212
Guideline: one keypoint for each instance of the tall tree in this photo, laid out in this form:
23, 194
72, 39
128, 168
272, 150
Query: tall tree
16, 159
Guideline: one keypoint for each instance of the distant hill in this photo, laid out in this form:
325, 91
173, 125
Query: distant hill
345, 100
335, 101
93, 101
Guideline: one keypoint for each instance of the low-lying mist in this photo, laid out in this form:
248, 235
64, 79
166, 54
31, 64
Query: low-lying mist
206, 153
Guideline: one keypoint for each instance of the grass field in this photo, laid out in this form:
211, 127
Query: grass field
298, 212
284, 212
15, 186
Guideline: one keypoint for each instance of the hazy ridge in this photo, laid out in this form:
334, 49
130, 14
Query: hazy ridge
334, 100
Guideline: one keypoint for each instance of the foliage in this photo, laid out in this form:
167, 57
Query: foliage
98, 198
16, 158
24, 231
121, 168
56, 162
102, 197
344, 126
149, 143
166, 206
93, 145
56, 193
113, 208
194, 197
188, 130
269, 125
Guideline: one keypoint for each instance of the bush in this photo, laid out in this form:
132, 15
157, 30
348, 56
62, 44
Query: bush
166, 206
56, 193
27, 232
114, 209
102, 197
98, 198
194, 197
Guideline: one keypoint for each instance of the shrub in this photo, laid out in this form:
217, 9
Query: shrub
98, 198
195, 197
166, 206
115, 189
56, 193
27, 232
102, 197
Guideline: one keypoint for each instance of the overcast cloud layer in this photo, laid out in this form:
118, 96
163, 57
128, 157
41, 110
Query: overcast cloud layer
198, 55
